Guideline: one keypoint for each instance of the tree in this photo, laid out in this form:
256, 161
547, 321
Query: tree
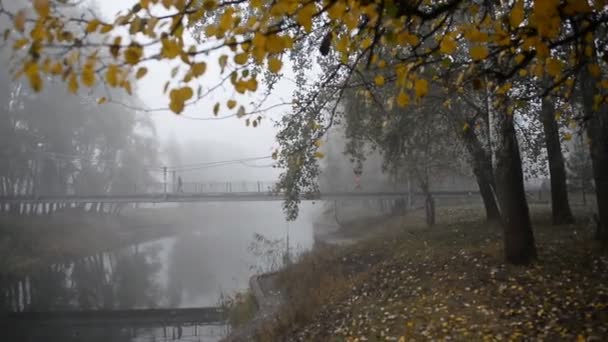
69, 146
499, 41
415, 142
596, 121
470, 129
559, 192
579, 166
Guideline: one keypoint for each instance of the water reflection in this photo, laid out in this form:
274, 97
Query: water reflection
211, 256
121, 279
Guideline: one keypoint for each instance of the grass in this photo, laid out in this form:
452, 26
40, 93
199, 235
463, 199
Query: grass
448, 282
240, 308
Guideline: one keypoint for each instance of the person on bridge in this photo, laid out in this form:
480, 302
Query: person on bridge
180, 184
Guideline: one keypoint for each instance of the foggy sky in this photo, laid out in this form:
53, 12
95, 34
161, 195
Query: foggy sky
242, 141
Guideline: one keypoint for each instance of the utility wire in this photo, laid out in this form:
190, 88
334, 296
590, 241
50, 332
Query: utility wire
57, 156
197, 166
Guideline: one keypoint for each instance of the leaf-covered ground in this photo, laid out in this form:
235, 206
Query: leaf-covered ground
450, 283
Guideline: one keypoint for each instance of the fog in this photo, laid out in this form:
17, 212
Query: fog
130, 256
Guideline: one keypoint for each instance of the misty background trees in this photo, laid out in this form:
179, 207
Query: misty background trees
55, 144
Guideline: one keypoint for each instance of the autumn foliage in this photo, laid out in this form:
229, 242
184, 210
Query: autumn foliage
468, 39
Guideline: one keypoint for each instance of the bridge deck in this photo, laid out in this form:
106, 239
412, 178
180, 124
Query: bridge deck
215, 197
139, 317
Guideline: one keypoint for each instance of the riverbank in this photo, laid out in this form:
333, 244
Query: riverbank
410, 282
30, 241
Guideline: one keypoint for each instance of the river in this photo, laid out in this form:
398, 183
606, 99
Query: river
218, 248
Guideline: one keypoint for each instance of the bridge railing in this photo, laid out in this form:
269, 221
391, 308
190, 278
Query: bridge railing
160, 188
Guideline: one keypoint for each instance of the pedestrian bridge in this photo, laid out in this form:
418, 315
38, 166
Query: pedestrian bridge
199, 197
137, 317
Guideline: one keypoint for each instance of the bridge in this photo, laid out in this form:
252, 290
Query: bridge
126, 318
138, 324
205, 197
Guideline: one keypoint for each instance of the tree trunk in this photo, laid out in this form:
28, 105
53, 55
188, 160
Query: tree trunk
482, 169
429, 205
597, 130
559, 192
518, 236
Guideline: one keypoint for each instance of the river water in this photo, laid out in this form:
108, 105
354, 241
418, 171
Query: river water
218, 248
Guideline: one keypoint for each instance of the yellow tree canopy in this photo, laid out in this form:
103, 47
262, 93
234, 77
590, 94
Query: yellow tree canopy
492, 41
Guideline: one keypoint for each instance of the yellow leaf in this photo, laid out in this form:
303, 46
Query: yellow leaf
241, 58
231, 104
421, 87
337, 10
178, 98
141, 72
136, 26
20, 43
478, 52
567, 136
19, 21
379, 80
305, 14
102, 100
408, 38
274, 44
56, 69
226, 21
127, 86
503, 89
106, 28
209, 5
42, 7
274, 65
403, 99
112, 75
252, 84
448, 45
73, 83
133, 54
517, 14
476, 36
88, 76
170, 48
319, 155
198, 69
553, 67
38, 32
33, 75
367, 42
